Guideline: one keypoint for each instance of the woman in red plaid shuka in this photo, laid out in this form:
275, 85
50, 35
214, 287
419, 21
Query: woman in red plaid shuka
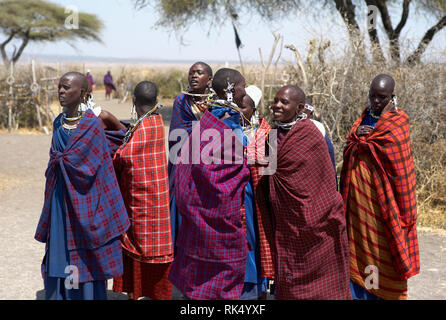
310, 238
141, 168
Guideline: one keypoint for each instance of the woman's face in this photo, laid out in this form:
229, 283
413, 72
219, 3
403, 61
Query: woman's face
70, 92
239, 92
198, 78
247, 107
379, 99
286, 107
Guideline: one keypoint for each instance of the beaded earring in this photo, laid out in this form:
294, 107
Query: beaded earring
133, 114
229, 93
302, 116
255, 120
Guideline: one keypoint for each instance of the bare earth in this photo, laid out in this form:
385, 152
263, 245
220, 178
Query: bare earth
22, 182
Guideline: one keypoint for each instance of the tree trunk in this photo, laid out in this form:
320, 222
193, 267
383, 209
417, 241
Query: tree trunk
393, 34
377, 51
347, 10
416, 55
6, 60
17, 54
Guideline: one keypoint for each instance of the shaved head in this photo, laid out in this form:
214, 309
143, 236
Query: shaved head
222, 77
383, 82
146, 93
295, 93
205, 66
226, 76
79, 78
145, 97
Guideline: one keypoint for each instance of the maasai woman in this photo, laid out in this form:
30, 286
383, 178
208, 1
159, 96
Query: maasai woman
210, 261
141, 168
259, 264
311, 248
188, 107
109, 85
379, 191
83, 215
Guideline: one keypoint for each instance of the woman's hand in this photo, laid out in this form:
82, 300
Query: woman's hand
363, 130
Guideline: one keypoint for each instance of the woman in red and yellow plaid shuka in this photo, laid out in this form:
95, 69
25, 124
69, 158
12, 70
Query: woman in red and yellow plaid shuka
378, 187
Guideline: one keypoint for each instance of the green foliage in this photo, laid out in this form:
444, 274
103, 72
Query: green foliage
37, 20
179, 14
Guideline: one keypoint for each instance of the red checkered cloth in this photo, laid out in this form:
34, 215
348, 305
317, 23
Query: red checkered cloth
141, 168
144, 280
256, 150
212, 246
390, 149
312, 253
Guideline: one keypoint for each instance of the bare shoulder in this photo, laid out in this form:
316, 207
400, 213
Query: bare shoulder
109, 121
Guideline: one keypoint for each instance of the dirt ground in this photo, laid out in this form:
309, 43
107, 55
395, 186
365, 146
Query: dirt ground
22, 168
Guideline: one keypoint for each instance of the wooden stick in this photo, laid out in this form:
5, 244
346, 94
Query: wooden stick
39, 118
300, 62
265, 69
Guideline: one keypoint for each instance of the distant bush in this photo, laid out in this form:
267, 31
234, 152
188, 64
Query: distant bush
19, 108
170, 82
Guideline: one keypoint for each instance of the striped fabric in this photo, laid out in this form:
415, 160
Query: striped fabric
211, 259
141, 168
367, 236
256, 150
378, 187
311, 245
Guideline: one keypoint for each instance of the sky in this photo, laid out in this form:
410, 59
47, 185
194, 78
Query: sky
131, 34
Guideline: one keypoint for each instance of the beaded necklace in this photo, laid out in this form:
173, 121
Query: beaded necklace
67, 126
136, 125
201, 105
289, 125
373, 115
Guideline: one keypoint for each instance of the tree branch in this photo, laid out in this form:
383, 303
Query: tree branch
300, 62
377, 51
347, 10
404, 16
17, 54
429, 35
385, 16
5, 58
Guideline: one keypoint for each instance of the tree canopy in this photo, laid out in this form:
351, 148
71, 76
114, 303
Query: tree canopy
38, 21
178, 15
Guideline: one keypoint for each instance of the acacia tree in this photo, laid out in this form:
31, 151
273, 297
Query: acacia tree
26, 21
437, 8
179, 14
434, 8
